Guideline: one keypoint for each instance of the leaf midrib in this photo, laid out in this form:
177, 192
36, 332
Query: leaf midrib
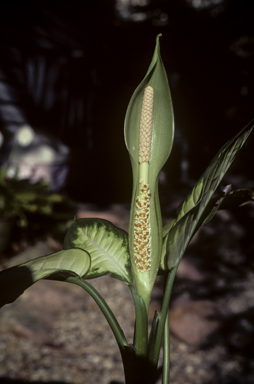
98, 248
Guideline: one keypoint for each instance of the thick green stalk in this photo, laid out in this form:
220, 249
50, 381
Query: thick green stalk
140, 341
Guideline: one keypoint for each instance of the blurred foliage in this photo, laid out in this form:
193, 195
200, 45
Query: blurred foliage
34, 210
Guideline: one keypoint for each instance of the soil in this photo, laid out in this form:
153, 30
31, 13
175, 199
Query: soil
55, 333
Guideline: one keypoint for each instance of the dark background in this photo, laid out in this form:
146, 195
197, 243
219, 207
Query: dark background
73, 67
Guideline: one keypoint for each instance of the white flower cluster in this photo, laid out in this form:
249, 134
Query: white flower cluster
146, 126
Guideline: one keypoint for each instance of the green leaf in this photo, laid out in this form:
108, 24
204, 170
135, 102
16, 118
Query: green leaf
238, 198
191, 210
162, 140
153, 333
55, 198
3, 172
212, 207
106, 244
26, 197
167, 227
30, 207
57, 266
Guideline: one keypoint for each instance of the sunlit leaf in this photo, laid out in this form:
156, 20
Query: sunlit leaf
57, 266
106, 244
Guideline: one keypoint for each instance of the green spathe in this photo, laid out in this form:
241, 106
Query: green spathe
162, 140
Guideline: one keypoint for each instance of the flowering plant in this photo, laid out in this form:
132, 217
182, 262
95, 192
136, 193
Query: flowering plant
95, 247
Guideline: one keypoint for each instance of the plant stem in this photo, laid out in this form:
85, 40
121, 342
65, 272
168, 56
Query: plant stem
110, 317
166, 352
166, 343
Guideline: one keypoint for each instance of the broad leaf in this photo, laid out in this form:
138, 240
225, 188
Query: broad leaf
212, 207
167, 227
191, 210
57, 266
106, 244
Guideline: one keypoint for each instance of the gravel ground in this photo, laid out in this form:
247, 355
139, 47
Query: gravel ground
55, 333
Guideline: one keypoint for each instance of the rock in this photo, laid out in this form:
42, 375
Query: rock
34, 313
193, 322
188, 270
